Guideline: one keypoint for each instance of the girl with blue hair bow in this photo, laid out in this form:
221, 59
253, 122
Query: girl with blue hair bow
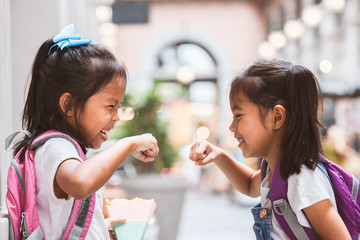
76, 88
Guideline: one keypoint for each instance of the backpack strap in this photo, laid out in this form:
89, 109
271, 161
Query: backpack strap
321, 166
79, 222
83, 209
281, 207
43, 140
283, 211
9, 139
355, 188
14, 165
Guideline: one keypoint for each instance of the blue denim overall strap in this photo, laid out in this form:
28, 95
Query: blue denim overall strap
262, 226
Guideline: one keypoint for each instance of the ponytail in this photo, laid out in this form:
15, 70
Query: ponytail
30, 117
301, 143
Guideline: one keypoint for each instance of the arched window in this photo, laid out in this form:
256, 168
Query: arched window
187, 77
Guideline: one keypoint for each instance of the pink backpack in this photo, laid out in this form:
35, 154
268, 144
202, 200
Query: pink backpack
21, 195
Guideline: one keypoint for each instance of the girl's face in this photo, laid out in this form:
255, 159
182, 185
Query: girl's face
253, 133
101, 112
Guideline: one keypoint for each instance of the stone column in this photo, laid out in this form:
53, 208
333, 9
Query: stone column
5, 107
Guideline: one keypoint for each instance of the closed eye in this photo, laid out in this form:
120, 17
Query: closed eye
113, 107
117, 107
237, 115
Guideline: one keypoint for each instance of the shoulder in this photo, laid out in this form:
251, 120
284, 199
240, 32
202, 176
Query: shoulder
57, 148
306, 174
309, 187
310, 177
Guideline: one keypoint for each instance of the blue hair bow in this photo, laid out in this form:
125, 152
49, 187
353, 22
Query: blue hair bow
69, 38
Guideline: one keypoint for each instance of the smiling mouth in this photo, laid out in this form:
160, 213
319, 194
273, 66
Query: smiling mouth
240, 140
104, 133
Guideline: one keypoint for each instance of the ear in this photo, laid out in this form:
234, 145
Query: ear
279, 115
63, 104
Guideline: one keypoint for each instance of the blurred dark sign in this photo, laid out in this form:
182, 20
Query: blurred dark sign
130, 12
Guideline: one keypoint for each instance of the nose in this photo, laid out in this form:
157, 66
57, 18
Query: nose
116, 116
232, 127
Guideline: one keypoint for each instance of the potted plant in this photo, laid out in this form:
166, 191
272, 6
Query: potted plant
151, 182
146, 120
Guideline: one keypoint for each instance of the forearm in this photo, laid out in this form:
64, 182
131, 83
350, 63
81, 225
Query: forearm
82, 179
243, 178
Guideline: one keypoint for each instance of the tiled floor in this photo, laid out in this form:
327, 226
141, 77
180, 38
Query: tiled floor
215, 217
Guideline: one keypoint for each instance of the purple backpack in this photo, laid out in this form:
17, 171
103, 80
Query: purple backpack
346, 189
21, 195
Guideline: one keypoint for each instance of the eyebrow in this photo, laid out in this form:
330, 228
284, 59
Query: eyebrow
111, 99
236, 107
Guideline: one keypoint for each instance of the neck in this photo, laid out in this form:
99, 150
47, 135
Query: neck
272, 160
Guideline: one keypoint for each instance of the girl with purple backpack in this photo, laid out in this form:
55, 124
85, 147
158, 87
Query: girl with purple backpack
76, 89
275, 116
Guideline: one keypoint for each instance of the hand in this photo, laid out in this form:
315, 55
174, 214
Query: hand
203, 152
145, 147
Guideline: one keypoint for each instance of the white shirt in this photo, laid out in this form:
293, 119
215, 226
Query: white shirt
53, 212
304, 189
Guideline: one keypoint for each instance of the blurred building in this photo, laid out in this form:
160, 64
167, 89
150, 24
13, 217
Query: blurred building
323, 36
193, 48
198, 45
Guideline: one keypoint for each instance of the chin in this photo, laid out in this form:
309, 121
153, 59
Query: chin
96, 145
246, 154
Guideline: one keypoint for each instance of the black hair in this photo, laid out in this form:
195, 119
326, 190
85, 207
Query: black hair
270, 82
81, 71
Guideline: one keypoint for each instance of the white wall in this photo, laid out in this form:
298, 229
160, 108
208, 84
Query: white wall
32, 22
5, 105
